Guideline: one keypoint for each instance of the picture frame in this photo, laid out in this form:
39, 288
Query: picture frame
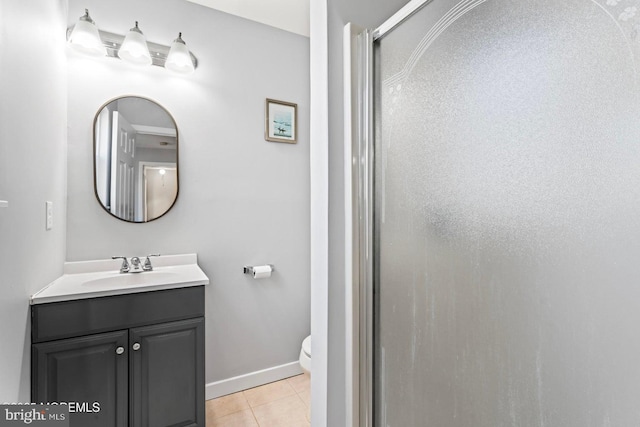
281, 121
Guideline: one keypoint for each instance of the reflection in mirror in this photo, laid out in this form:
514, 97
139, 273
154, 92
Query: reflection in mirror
136, 159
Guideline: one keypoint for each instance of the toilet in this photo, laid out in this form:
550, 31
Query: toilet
305, 355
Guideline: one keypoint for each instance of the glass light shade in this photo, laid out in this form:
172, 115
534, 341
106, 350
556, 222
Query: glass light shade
85, 37
134, 48
179, 59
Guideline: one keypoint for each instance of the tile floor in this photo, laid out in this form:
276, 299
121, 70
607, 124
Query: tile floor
283, 403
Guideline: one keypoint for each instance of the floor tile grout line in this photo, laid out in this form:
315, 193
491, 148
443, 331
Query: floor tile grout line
303, 401
235, 411
284, 381
254, 417
252, 408
277, 400
272, 401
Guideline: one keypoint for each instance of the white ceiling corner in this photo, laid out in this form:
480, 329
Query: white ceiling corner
288, 15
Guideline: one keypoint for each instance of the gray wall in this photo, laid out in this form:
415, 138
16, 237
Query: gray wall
33, 112
242, 200
369, 14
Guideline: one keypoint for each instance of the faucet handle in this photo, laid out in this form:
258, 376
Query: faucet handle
125, 264
147, 263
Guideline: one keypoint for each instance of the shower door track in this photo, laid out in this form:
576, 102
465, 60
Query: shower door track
399, 17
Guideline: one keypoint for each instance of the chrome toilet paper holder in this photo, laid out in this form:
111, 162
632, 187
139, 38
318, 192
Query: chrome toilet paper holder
248, 269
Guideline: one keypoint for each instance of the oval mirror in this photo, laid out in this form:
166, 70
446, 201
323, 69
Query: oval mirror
135, 159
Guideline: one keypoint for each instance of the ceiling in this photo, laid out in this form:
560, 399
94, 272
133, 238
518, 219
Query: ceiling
288, 15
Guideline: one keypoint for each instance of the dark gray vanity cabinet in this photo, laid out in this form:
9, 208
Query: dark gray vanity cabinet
86, 369
139, 356
165, 374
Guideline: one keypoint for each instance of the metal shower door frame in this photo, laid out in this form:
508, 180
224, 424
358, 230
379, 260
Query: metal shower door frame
359, 191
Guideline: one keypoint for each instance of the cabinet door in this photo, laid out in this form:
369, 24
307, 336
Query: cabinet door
167, 374
84, 371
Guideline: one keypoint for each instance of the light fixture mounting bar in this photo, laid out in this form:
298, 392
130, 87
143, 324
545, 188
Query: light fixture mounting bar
112, 43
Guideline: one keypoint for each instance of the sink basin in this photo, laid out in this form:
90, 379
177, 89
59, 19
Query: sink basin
133, 279
99, 278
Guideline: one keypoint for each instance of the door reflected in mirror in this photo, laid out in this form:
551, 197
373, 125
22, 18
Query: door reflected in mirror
136, 159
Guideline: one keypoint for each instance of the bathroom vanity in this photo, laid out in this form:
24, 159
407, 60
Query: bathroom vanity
122, 357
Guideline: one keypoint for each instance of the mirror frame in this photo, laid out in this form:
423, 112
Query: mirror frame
95, 147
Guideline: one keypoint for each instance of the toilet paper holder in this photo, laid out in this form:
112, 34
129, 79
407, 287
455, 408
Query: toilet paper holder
248, 269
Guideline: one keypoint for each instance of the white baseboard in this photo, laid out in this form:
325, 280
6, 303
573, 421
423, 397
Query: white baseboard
252, 379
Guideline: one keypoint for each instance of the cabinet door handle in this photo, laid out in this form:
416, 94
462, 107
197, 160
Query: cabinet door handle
136, 346
120, 350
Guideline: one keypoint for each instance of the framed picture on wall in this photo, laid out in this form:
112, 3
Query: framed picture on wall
281, 121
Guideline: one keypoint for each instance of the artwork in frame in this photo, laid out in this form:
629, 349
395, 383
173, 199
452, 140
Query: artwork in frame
281, 121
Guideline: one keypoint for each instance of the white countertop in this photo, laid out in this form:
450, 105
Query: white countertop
90, 279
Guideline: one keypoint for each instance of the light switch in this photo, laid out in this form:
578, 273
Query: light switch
49, 215
4, 204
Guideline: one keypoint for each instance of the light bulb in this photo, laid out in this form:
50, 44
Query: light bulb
179, 59
134, 48
85, 37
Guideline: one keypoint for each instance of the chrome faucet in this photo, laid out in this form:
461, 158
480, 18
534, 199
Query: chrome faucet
147, 263
136, 265
124, 268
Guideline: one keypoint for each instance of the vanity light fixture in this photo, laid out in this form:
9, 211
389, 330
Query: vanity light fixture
86, 38
134, 48
179, 59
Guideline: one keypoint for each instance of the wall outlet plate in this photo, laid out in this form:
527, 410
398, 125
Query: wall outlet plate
4, 204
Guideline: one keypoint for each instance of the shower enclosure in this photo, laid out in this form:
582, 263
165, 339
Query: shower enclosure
497, 182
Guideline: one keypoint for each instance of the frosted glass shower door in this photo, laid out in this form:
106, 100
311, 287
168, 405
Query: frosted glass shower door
507, 215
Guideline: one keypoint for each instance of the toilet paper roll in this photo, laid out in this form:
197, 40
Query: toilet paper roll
261, 271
